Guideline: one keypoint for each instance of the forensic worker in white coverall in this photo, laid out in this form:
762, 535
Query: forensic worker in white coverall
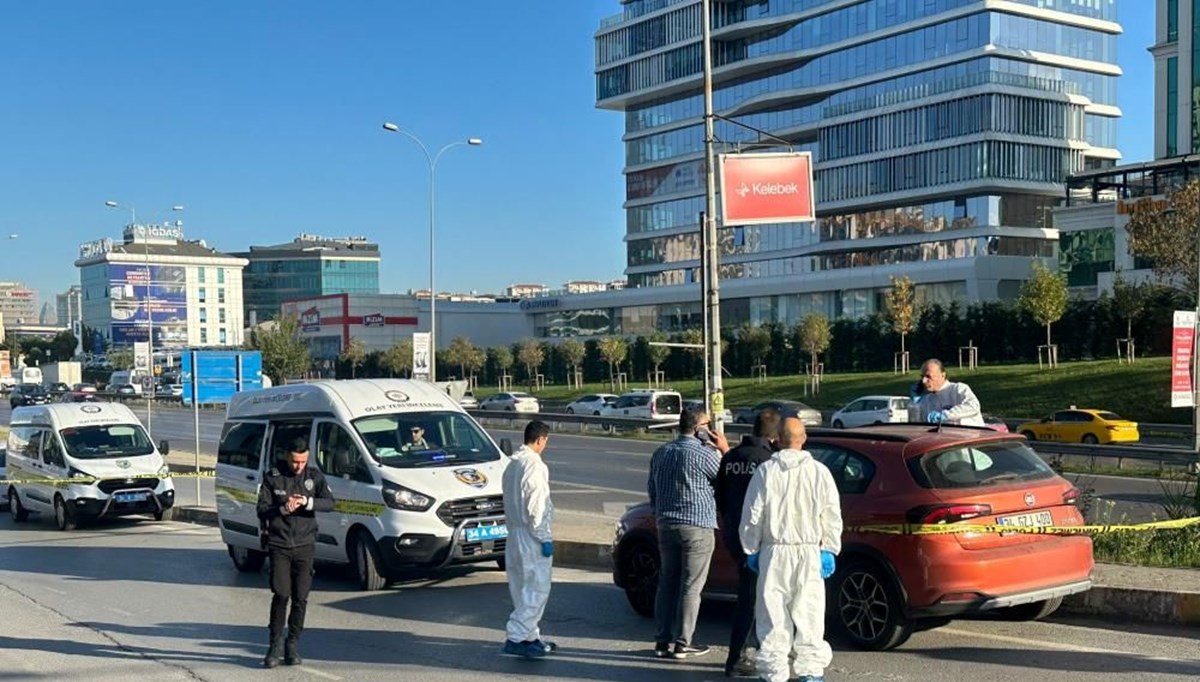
528, 514
936, 400
791, 531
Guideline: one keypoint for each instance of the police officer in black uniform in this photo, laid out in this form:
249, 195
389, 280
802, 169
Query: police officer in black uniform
288, 500
733, 479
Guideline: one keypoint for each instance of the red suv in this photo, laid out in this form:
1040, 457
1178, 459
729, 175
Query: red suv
888, 585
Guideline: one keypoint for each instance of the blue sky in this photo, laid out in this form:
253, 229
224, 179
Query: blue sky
264, 120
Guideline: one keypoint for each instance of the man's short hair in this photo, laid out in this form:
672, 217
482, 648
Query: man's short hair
689, 419
934, 362
298, 445
766, 423
535, 431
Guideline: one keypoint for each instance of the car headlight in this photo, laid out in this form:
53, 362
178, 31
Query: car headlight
399, 497
85, 478
164, 471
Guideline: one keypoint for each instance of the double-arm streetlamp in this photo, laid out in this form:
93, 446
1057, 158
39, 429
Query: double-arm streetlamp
433, 161
149, 306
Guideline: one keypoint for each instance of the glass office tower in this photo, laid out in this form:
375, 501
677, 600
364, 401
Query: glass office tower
942, 129
307, 266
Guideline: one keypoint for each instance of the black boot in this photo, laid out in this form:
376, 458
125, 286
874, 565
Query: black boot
274, 653
292, 652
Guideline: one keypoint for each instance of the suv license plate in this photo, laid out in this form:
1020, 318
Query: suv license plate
481, 533
1042, 518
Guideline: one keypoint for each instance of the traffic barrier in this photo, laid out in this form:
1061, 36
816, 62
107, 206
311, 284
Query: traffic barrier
960, 529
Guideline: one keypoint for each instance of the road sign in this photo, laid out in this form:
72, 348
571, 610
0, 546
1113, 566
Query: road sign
1181, 358
766, 188
147, 384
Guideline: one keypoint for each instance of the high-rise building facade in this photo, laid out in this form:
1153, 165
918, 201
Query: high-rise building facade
1176, 78
942, 131
18, 303
69, 305
305, 267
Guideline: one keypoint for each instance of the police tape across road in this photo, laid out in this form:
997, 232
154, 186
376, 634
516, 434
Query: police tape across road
960, 529
88, 480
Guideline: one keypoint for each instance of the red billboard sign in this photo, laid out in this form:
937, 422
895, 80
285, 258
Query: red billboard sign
1181, 358
766, 188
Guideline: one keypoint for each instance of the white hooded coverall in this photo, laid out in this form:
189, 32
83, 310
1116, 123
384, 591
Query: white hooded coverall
955, 399
791, 513
528, 514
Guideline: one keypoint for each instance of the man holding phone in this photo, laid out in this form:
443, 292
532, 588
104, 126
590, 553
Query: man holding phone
288, 500
680, 486
936, 400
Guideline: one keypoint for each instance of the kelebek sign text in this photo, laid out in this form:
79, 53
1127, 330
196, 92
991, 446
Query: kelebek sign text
766, 188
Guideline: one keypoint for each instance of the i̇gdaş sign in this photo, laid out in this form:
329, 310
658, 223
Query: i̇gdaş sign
766, 188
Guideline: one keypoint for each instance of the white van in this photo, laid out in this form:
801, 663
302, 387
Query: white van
397, 504
102, 441
126, 377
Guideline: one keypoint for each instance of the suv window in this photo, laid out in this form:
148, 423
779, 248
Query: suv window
981, 465
241, 444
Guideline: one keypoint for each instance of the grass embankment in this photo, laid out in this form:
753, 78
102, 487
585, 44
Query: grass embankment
1140, 391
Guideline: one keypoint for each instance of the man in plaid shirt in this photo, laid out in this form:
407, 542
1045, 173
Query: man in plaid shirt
682, 473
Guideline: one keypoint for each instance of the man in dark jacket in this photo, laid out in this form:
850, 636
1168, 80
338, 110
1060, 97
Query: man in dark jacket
733, 478
288, 500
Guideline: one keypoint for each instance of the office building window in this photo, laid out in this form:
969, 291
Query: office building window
202, 295
203, 336
221, 315
220, 295
203, 315
200, 275
1172, 106
1172, 20
220, 275
221, 336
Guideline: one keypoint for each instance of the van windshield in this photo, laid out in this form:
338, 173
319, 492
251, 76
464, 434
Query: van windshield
111, 440
425, 439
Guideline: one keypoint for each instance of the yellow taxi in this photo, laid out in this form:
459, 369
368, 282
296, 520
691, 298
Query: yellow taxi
1076, 425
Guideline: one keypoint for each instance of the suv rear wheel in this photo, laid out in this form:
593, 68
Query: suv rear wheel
867, 608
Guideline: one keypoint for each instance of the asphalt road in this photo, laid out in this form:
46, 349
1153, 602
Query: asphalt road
596, 477
161, 601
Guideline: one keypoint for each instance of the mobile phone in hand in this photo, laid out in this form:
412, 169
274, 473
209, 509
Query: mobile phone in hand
704, 435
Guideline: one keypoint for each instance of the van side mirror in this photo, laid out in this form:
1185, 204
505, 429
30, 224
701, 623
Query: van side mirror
506, 446
164, 447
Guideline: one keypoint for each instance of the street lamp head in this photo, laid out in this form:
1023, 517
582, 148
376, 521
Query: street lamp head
176, 208
110, 204
391, 127
474, 141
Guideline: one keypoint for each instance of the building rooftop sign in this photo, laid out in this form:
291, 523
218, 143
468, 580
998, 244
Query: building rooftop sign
95, 247
166, 232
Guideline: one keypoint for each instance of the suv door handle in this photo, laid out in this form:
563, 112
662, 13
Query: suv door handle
249, 477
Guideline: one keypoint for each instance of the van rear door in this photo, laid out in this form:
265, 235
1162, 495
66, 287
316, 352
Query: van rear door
239, 475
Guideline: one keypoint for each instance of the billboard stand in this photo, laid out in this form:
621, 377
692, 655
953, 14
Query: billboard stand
196, 424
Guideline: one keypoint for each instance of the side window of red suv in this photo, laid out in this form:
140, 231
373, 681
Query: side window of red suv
851, 471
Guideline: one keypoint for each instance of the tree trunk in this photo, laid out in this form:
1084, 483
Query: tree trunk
1129, 327
902, 343
1047, 337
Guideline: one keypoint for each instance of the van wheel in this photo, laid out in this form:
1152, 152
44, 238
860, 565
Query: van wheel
639, 575
838, 424
367, 563
64, 517
247, 560
866, 607
1034, 611
18, 511
570, 410
158, 515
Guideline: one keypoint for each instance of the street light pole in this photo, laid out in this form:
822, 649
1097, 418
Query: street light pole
715, 400
432, 161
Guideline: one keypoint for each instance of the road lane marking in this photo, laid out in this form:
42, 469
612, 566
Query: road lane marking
120, 612
1061, 646
55, 591
619, 491
318, 673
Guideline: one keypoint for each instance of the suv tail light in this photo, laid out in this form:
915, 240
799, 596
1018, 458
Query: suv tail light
947, 513
1071, 496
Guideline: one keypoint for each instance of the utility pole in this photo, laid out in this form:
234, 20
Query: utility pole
715, 400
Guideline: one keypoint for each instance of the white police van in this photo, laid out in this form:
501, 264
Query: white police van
103, 445
399, 503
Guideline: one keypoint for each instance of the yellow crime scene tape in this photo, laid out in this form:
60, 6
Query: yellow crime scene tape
960, 529
353, 507
88, 480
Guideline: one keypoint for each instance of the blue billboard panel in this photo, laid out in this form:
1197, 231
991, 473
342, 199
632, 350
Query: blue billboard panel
219, 374
139, 294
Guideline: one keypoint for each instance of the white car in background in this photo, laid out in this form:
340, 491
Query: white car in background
513, 401
871, 409
591, 403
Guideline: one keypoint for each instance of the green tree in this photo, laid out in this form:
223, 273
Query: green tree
902, 308
121, 358
694, 337
614, 350
1167, 236
284, 354
531, 355
460, 352
573, 352
755, 342
814, 335
1044, 296
503, 358
354, 354
1128, 301
473, 360
398, 358
63, 346
657, 354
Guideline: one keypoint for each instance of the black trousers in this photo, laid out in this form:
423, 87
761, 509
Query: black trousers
743, 634
291, 580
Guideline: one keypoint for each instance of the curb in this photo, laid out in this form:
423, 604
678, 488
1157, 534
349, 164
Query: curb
1113, 604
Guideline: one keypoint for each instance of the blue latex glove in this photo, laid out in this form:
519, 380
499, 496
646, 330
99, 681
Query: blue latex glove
828, 564
548, 548
752, 562
936, 417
